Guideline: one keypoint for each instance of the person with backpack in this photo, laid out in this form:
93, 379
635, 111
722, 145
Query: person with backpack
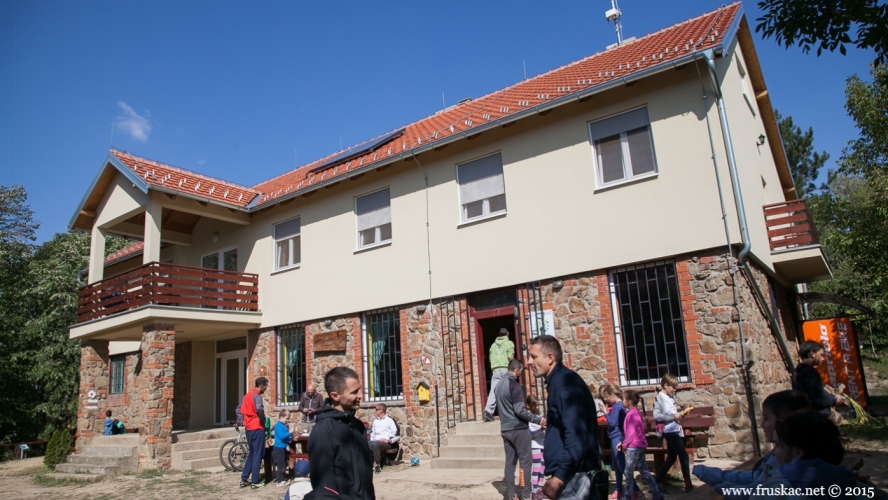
501, 352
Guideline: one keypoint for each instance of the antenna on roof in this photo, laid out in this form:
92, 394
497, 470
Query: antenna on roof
443, 101
613, 14
524, 64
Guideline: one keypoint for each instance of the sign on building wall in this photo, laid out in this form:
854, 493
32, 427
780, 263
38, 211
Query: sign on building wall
841, 360
542, 323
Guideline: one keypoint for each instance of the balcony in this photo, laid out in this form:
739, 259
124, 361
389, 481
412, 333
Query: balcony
212, 299
795, 246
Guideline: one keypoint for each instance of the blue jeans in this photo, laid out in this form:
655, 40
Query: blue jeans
635, 461
619, 465
256, 440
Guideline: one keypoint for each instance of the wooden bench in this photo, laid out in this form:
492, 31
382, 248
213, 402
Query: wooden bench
695, 424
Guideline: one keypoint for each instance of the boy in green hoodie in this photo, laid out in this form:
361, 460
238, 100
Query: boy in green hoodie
501, 352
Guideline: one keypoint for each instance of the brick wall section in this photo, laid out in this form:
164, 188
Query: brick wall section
94, 376
182, 400
156, 390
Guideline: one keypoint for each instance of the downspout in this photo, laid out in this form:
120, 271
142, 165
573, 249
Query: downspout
750, 400
431, 306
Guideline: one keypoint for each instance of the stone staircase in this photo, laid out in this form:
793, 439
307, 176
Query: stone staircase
103, 456
474, 445
194, 450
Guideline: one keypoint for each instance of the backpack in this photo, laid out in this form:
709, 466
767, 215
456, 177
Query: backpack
119, 428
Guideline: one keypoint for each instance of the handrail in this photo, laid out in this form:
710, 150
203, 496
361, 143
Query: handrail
789, 225
158, 283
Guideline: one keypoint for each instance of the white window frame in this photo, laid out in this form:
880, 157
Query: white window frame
746, 93
628, 177
485, 207
293, 265
618, 331
377, 241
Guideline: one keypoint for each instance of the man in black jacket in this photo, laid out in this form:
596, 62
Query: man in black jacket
340, 462
807, 379
571, 448
513, 427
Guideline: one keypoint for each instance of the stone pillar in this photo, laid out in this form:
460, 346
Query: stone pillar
94, 384
156, 390
262, 362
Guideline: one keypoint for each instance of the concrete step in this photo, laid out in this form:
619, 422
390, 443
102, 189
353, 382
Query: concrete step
199, 445
83, 478
483, 450
195, 454
474, 439
102, 470
478, 427
204, 435
97, 460
109, 451
201, 463
129, 439
469, 463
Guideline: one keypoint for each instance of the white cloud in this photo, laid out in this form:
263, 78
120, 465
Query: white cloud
201, 162
132, 123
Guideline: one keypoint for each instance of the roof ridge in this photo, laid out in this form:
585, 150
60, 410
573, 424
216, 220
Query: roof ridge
182, 170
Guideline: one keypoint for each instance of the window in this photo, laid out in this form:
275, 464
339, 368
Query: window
623, 147
374, 213
291, 366
118, 374
287, 252
481, 189
382, 355
742, 72
648, 324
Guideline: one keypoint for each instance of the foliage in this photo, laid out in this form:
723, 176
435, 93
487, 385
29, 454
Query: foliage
851, 212
58, 449
804, 162
38, 301
825, 24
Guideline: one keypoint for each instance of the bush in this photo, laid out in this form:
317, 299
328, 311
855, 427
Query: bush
58, 448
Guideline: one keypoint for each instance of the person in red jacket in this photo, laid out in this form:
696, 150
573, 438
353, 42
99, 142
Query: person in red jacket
253, 412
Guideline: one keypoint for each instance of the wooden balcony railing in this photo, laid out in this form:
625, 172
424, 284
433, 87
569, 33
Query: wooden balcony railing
789, 225
170, 285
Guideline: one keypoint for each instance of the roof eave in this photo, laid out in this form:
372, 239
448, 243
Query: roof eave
123, 169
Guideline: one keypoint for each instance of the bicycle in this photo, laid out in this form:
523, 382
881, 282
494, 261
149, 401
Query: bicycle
227, 446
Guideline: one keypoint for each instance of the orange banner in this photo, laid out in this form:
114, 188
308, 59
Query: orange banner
841, 363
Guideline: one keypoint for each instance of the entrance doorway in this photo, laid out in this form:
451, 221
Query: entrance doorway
231, 378
491, 313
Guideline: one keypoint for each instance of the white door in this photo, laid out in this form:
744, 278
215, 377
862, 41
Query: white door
230, 385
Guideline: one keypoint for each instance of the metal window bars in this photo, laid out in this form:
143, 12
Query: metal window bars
118, 370
531, 322
648, 323
382, 355
291, 365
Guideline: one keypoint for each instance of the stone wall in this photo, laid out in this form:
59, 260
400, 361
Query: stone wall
156, 390
182, 384
262, 362
94, 377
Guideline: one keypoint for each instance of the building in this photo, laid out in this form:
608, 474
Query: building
624, 203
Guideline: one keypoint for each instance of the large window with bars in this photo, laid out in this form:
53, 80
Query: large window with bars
648, 323
382, 355
291, 365
118, 374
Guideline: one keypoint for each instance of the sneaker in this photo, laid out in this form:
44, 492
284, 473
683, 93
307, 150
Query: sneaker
255, 486
662, 488
637, 495
244, 484
378, 469
689, 489
615, 495
283, 483
488, 417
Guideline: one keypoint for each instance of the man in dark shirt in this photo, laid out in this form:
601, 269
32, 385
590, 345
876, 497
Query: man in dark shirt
513, 428
807, 379
571, 446
341, 465
310, 404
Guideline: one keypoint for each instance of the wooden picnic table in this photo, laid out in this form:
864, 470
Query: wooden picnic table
302, 441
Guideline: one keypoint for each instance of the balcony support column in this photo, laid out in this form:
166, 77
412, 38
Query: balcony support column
153, 213
156, 387
95, 379
96, 255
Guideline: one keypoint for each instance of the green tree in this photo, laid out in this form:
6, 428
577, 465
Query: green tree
804, 162
826, 24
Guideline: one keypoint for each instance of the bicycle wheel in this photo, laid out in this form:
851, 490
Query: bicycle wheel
223, 453
238, 454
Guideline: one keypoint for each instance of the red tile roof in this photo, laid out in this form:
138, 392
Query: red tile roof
158, 174
682, 39
125, 252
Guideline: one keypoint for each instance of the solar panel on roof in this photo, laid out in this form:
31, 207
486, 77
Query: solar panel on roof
359, 149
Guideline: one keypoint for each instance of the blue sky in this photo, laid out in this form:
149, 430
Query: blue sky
236, 90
